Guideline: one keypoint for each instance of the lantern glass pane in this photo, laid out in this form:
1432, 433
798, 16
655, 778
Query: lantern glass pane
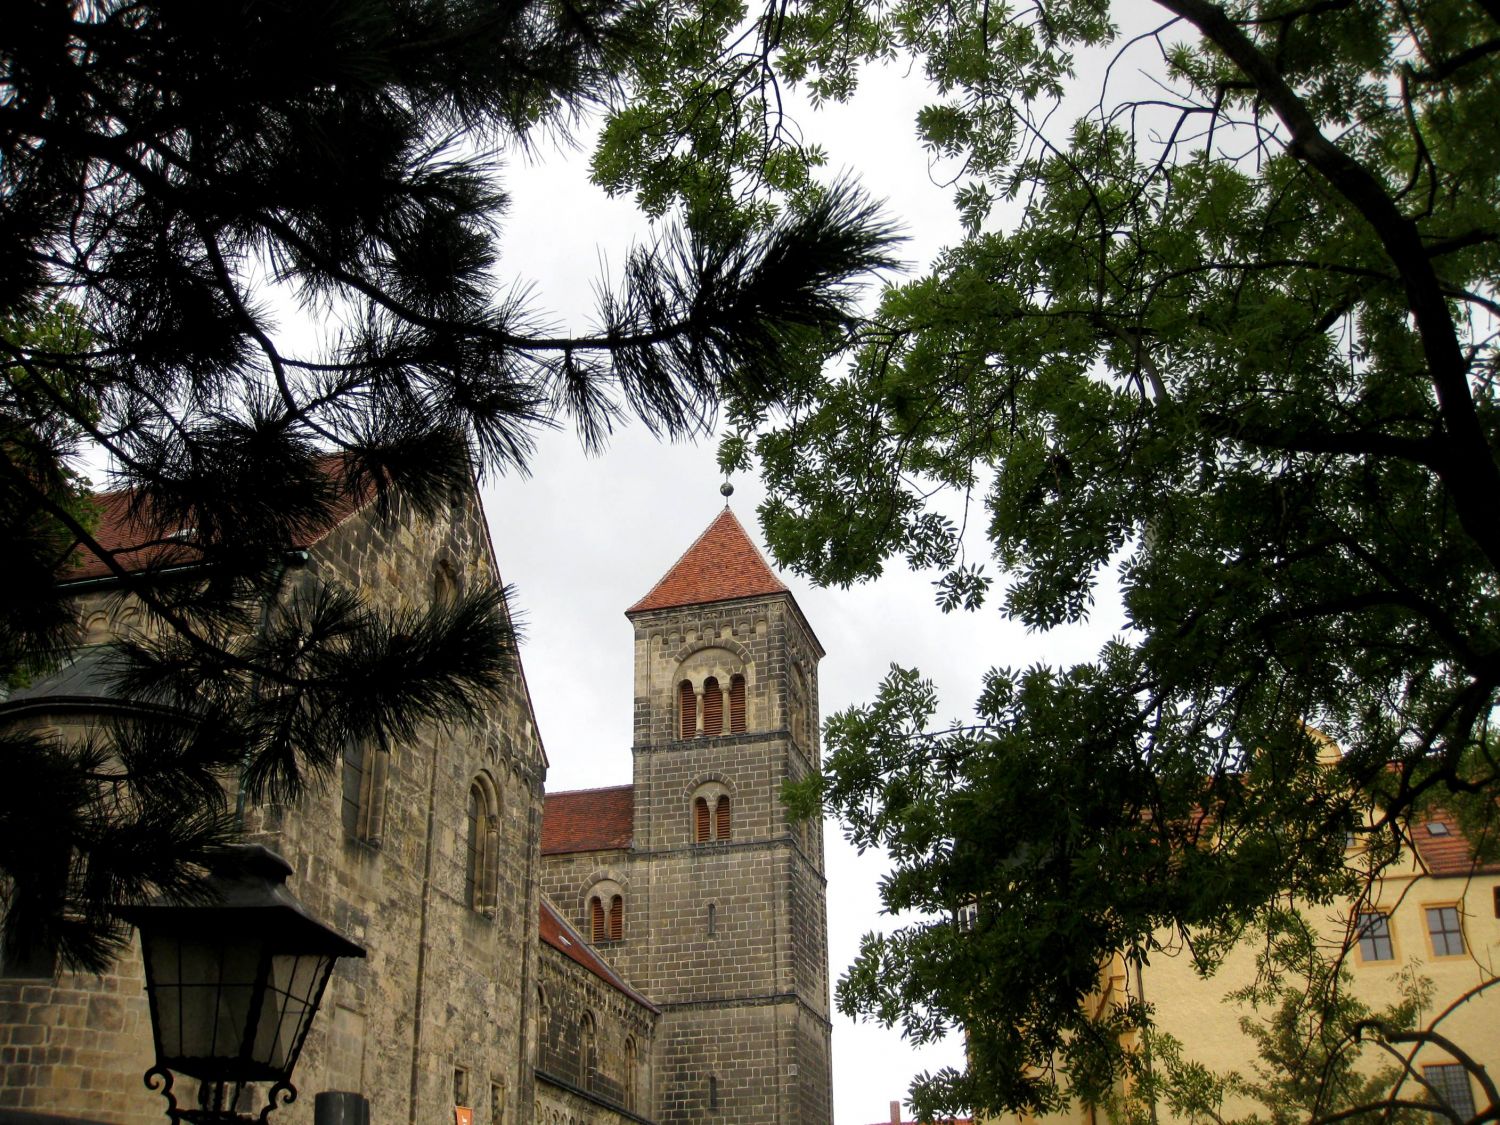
291, 992
204, 992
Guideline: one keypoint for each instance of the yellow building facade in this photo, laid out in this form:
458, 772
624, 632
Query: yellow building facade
1432, 918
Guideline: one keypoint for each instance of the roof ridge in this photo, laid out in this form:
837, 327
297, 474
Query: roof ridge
582, 952
591, 789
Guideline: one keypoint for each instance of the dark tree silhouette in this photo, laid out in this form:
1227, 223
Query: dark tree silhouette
176, 177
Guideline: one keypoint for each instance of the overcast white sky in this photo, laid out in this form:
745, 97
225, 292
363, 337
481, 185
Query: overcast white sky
582, 539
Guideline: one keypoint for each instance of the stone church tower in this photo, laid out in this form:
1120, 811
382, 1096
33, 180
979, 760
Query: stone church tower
715, 908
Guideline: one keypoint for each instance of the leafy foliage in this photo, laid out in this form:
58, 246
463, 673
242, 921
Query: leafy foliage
1227, 339
174, 180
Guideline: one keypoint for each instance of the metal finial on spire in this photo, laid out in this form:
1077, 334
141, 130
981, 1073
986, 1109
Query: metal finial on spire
726, 490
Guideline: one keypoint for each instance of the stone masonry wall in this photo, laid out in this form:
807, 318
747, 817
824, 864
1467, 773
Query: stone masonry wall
567, 880
444, 993
739, 992
623, 1032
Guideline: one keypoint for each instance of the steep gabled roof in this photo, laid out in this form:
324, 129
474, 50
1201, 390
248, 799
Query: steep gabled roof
555, 931
588, 820
721, 565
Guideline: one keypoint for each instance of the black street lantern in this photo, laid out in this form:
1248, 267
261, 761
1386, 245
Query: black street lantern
234, 984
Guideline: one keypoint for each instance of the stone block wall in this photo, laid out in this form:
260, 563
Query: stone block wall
765, 635
79, 1043
438, 1009
443, 994
622, 1029
567, 880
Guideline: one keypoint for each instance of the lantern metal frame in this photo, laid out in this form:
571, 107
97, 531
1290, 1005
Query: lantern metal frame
246, 902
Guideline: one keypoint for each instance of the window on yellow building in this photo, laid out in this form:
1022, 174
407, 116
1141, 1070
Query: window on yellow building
1450, 1083
1444, 928
1375, 937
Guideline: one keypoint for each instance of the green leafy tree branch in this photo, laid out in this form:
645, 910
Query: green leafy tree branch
1224, 337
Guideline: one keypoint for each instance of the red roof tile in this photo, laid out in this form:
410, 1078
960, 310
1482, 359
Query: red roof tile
556, 932
588, 820
1447, 851
141, 542
722, 564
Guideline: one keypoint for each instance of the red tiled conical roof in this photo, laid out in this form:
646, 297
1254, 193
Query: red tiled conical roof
722, 564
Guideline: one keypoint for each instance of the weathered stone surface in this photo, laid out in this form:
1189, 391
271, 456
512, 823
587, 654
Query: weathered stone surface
725, 938
444, 986
744, 1032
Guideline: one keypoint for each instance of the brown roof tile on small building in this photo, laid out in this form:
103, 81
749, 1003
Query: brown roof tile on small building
588, 820
139, 542
1445, 851
721, 565
555, 931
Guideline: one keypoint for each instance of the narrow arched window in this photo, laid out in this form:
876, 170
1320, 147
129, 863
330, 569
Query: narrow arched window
713, 708
472, 864
597, 930
589, 1054
482, 854
364, 784
700, 820
630, 1068
687, 710
616, 918
713, 920
721, 819
444, 585
736, 704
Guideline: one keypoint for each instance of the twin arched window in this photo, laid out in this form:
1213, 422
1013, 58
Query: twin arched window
710, 820
608, 926
482, 856
701, 712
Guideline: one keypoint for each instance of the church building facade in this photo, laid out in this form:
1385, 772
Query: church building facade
653, 952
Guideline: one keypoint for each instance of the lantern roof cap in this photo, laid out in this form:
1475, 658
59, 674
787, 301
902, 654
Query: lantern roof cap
246, 890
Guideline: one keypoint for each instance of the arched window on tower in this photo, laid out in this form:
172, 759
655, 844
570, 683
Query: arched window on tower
687, 710
598, 930
712, 802
616, 918
713, 708
701, 825
481, 867
736, 704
